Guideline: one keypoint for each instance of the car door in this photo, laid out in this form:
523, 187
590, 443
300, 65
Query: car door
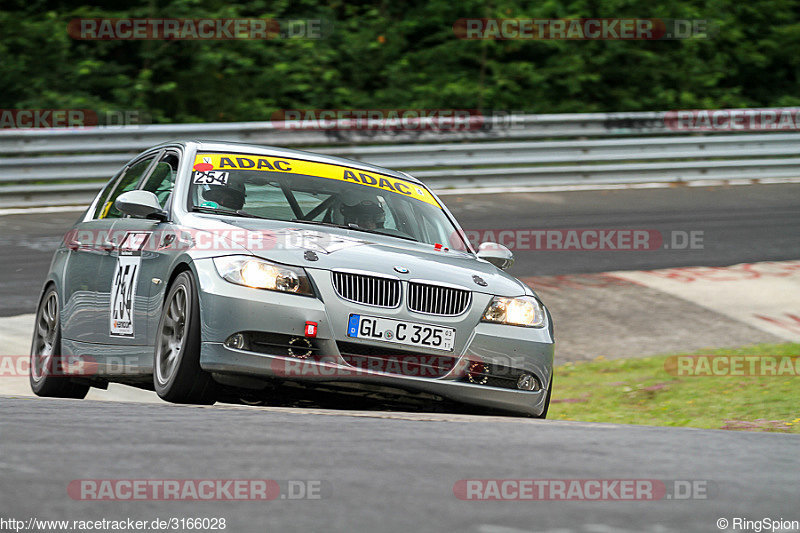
79, 318
131, 271
110, 215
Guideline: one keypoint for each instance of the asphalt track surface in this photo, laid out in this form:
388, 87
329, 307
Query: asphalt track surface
395, 471
740, 224
383, 471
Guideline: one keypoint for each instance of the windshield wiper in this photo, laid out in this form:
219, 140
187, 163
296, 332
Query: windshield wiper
355, 227
217, 211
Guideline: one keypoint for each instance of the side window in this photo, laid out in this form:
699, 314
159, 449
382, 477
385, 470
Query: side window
162, 179
127, 183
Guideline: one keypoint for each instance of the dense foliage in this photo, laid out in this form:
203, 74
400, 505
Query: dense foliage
386, 54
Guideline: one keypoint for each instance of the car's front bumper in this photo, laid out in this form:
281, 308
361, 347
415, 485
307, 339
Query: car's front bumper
228, 309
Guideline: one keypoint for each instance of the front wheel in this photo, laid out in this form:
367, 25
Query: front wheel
46, 373
177, 375
547, 399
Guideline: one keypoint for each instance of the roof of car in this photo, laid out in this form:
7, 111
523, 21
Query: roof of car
257, 149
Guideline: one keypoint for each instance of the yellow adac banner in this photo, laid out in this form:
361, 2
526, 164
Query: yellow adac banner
226, 161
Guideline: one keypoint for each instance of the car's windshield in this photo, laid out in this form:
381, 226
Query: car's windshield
318, 193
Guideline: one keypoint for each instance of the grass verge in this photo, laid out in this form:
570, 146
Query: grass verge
643, 391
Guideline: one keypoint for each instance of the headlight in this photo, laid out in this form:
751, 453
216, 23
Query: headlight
259, 274
523, 311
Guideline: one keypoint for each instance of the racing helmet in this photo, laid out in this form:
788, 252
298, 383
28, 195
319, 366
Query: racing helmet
365, 211
230, 195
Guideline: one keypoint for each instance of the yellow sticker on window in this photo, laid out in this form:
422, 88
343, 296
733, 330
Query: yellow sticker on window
104, 212
205, 162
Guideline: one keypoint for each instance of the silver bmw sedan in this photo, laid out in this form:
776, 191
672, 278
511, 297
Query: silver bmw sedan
212, 271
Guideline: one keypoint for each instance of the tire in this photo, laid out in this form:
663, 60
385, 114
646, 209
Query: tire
177, 375
547, 399
46, 376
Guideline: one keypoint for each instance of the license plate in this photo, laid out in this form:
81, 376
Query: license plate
401, 332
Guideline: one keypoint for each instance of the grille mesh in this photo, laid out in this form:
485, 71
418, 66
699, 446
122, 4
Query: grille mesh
436, 300
368, 290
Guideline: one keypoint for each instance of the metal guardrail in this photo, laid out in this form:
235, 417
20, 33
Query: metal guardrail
497, 127
58, 166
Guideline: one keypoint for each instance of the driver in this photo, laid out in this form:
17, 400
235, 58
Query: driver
230, 196
366, 212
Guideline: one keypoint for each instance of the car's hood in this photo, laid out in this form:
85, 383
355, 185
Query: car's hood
336, 248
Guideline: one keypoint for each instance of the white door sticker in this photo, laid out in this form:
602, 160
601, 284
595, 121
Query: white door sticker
123, 286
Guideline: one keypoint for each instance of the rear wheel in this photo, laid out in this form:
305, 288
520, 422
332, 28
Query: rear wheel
46, 375
177, 375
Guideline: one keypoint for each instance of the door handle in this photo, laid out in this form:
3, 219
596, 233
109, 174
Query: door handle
74, 245
107, 246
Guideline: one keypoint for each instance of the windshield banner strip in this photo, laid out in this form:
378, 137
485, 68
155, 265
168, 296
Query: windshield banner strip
205, 162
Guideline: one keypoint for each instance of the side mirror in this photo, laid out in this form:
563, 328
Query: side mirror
496, 254
140, 204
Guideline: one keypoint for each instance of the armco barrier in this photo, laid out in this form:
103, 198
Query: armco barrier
63, 166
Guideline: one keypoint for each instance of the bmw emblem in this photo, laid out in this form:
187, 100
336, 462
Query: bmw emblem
401, 270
